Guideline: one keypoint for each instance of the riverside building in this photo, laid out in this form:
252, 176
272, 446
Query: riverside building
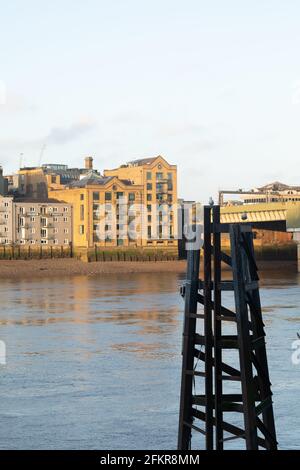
30, 222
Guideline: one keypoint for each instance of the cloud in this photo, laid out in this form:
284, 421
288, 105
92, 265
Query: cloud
64, 135
11, 148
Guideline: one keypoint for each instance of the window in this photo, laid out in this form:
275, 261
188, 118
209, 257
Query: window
81, 229
96, 196
149, 175
82, 212
55, 230
33, 230
149, 186
149, 197
43, 242
170, 176
159, 176
55, 241
82, 197
66, 241
43, 222
149, 232
66, 209
22, 210
43, 233
65, 219
32, 242
131, 197
32, 219
55, 219
108, 196
119, 195
22, 221
66, 230
55, 209
149, 218
31, 209
149, 208
170, 186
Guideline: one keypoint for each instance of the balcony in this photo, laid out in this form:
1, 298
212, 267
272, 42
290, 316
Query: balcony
47, 226
46, 216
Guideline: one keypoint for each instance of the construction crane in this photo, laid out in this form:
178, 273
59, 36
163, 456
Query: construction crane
42, 153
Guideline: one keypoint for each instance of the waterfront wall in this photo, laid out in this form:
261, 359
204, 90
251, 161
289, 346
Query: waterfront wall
118, 254
271, 245
34, 252
84, 254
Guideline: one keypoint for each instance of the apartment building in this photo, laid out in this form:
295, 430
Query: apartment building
103, 208
24, 222
6, 220
134, 205
158, 180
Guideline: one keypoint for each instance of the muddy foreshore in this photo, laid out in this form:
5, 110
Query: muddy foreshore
10, 269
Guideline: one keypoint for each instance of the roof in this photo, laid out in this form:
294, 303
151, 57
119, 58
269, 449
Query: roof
277, 186
92, 179
142, 161
28, 200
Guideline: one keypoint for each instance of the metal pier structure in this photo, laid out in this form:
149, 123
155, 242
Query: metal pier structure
224, 351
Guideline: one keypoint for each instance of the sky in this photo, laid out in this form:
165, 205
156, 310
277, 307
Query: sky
213, 86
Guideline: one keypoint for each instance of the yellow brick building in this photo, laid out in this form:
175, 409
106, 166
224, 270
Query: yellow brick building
158, 180
134, 205
98, 207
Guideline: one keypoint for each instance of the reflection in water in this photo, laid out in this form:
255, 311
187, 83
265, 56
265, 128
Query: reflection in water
94, 362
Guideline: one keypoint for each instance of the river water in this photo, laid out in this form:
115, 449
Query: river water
94, 362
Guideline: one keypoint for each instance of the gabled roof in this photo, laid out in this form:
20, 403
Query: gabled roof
93, 179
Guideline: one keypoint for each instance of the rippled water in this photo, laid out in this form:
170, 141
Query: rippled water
94, 362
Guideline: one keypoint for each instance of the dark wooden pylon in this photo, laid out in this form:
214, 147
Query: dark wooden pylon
236, 399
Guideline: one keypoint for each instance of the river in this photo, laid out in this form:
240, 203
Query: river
94, 362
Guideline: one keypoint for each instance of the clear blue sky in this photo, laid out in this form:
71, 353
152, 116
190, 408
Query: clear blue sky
214, 86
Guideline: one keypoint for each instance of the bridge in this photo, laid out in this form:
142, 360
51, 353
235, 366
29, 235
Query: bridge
279, 216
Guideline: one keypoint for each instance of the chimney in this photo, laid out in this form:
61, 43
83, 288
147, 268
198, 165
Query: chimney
88, 163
